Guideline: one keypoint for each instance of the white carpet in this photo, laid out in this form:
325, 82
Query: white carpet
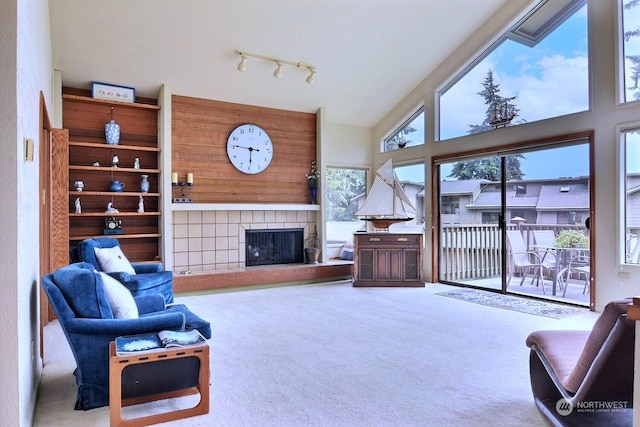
333, 355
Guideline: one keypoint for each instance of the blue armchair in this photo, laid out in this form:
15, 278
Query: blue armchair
77, 295
150, 278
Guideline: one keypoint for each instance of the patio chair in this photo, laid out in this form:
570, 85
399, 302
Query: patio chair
579, 264
545, 242
523, 259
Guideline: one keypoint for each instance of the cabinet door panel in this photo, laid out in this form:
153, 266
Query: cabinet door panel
395, 264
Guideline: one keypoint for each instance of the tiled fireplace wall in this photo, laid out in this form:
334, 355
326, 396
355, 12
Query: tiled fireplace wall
214, 239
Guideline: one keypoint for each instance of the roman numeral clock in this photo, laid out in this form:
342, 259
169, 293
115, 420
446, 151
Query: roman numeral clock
249, 149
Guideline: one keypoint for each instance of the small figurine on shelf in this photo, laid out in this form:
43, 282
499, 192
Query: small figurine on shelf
78, 207
96, 163
114, 161
136, 163
111, 209
140, 205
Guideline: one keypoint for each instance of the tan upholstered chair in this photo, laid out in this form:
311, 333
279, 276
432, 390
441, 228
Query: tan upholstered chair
585, 368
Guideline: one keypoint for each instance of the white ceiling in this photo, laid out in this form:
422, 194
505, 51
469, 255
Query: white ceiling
369, 54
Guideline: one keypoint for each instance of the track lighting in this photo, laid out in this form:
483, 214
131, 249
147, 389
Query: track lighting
242, 65
312, 75
278, 72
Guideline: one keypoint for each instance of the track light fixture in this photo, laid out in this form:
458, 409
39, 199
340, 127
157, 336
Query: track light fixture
242, 66
278, 72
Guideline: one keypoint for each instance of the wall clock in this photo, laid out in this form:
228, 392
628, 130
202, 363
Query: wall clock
249, 149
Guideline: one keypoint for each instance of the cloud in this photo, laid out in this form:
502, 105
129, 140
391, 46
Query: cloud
549, 87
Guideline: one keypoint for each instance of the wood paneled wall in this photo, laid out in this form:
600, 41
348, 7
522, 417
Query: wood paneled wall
200, 129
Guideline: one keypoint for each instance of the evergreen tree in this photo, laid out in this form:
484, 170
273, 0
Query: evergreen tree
634, 59
399, 140
497, 107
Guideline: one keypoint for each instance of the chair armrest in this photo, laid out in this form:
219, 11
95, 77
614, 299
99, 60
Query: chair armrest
150, 267
118, 327
120, 276
149, 303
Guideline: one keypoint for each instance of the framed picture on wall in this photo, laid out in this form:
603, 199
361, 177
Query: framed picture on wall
113, 92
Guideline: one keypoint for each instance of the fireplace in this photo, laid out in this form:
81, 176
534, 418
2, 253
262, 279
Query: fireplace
274, 246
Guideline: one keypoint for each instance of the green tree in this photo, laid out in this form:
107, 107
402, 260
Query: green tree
634, 59
399, 140
497, 108
343, 186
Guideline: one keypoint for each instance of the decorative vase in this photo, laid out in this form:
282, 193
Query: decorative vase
112, 132
144, 184
312, 255
314, 193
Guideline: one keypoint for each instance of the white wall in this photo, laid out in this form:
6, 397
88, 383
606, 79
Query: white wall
25, 71
602, 119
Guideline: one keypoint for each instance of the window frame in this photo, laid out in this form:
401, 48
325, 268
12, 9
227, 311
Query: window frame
508, 33
621, 149
415, 113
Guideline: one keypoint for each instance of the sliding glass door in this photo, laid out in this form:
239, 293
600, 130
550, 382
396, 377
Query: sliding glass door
516, 222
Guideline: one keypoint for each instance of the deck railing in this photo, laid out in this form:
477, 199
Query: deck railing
473, 251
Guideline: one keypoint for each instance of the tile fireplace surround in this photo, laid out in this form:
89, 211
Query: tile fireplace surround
214, 240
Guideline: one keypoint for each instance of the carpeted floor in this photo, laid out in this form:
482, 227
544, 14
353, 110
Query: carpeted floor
523, 305
330, 354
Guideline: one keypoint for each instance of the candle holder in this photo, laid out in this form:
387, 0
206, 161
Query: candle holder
183, 196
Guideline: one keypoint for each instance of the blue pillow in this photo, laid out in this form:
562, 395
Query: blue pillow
82, 288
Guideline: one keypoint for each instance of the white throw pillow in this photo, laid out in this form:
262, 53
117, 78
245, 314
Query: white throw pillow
119, 297
112, 260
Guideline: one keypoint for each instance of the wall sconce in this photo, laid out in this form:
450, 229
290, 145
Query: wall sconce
183, 198
242, 65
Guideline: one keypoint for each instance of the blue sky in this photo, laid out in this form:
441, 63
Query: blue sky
548, 80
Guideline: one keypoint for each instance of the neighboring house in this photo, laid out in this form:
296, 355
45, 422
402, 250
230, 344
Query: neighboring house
557, 201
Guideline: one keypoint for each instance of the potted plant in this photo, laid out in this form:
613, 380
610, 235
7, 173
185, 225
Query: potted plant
572, 239
312, 251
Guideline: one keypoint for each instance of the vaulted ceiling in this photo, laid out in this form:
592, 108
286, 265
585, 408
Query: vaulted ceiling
369, 54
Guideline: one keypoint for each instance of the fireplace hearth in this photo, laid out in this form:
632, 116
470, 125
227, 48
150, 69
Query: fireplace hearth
274, 246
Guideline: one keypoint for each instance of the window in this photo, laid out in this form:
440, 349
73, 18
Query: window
521, 190
631, 195
345, 187
537, 70
490, 217
450, 205
631, 50
409, 134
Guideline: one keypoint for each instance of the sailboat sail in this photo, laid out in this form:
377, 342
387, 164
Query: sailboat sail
386, 202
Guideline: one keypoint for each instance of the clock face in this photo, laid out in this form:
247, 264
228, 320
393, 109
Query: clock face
249, 149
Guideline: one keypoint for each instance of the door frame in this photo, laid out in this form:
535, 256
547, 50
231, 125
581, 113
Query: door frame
503, 150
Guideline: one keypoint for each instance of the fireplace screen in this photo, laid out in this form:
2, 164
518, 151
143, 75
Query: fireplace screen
274, 246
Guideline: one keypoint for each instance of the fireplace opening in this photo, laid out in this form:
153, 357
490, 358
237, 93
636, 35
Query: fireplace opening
274, 246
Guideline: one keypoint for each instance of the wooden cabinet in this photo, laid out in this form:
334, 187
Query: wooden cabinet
90, 160
388, 259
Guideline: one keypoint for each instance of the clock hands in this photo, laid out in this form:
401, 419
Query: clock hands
246, 148
251, 150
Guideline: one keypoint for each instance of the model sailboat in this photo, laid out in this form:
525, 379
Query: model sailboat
386, 203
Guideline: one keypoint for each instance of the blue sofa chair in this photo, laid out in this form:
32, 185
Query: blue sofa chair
78, 297
150, 278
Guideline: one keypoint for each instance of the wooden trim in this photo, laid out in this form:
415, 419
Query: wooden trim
267, 275
633, 312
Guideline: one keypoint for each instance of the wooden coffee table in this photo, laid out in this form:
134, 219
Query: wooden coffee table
152, 375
